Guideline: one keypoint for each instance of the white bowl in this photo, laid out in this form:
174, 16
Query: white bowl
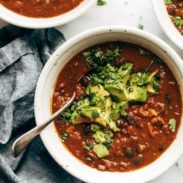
166, 23
44, 92
38, 23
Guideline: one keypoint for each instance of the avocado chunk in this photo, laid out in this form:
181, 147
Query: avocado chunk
137, 91
98, 90
124, 72
117, 91
113, 126
119, 109
137, 94
94, 114
103, 137
101, 151
153, 86
109, 91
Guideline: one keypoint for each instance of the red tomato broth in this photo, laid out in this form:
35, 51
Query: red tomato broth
146, 147
40, 8
175, 9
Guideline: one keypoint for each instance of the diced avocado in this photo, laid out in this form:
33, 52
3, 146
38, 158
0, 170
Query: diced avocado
100, 121
117, 90
153, 86
113, 125
137, 91
73, 117
119, 109
75, 110
95, 127
98, 90
93, 113
115, 115
100, 137
98, 96
139, 79
151, 77
101, 151
137, 94
108, 103
124, 72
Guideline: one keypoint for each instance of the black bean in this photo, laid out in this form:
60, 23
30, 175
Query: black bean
138, 160
119, 62
161, 149
129, 152
85, 80
171, 9
86, 129
121, 123
130, 118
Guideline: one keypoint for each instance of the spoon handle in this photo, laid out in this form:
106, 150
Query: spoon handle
21, 143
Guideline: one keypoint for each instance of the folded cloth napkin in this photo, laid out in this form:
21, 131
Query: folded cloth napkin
23, 52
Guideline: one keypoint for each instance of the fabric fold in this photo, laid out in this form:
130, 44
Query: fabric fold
23, 52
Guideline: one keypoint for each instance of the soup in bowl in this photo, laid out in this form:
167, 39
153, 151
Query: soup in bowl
125, 122
42, 13
170, 17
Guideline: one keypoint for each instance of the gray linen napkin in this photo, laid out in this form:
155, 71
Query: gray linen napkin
23, 53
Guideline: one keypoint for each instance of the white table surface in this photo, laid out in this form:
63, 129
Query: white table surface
128, 13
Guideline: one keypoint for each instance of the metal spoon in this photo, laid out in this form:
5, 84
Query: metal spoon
21, 143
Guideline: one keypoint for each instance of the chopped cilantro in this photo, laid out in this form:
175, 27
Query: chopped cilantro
112, 54
143, 51
96, 57
168, 1
168, 100
178, 21
156, 86
101, 2
140, 26
147, 69
89, 146
94, 115
64, 136
157, 59
95, 127
172, 124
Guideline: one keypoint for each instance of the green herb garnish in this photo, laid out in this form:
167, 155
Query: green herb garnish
94, 115
143, 51
101, 2
140, 26
168, 1
89, 146
168, 100
172, 124
96, 57
64, 136
178, 21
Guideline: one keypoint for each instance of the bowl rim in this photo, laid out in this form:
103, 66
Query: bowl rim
96, 31
166, 23
40, 23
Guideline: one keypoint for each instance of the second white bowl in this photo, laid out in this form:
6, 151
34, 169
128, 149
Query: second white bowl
38, 23
166, 23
